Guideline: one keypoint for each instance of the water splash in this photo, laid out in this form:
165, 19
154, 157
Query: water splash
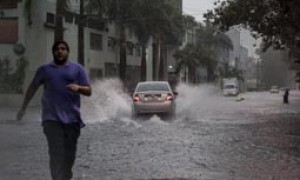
195, 100
108, 102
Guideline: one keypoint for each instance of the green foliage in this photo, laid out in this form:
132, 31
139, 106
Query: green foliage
276, 21
232, 72
12, 82
204, 51
146, 18
193, 56
187, 57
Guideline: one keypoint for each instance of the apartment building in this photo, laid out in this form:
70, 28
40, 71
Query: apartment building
31, 35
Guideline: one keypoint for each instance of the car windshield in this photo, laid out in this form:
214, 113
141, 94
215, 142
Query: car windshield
153, 87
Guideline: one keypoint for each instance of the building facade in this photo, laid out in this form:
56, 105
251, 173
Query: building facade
33, 31
27, 36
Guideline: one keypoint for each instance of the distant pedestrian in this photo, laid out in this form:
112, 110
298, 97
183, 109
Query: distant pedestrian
63, 82
286, 96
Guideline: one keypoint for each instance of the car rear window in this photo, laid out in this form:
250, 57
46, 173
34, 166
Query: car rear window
229, 87
152, 87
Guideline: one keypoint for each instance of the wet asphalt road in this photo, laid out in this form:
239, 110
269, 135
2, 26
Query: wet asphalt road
212, 138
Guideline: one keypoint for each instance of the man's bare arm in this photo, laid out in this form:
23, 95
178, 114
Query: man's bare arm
28, 96
84, 90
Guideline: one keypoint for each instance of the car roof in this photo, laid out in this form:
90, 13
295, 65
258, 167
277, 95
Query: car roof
154, 82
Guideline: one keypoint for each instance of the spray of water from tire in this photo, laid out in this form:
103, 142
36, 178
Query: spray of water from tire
110, 103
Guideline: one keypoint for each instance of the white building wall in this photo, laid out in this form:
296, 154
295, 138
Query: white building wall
38, 40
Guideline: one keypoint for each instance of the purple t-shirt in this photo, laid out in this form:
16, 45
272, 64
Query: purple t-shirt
58, 102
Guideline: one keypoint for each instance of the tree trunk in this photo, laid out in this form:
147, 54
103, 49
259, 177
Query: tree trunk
81, 35
143, 64
192, 74
59, 30
209, 73
157, 59
123, 58
163, 71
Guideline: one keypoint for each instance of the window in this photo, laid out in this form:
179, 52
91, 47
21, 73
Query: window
50, 18
9, 31
96, 41
130, 48
9, 4
111, 44
153, 87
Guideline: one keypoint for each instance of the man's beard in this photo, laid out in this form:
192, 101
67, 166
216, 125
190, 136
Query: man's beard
60, 62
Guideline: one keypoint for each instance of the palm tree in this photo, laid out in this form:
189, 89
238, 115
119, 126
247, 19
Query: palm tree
120, 13
193, 56
61, 8
28, 11
209, 37
147, 18
187, 59
141, 27
232, 72
154, 22
81, 33
164, 24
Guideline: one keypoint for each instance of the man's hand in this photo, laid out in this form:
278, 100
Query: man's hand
84, 90
73, 87
20, 115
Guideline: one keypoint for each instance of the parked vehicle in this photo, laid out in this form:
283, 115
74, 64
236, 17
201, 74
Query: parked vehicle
153, 97
274, 89
230, 87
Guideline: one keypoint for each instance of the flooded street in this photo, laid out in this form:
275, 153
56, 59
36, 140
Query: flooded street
212, 138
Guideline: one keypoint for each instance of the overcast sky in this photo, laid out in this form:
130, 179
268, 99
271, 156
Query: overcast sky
197, 8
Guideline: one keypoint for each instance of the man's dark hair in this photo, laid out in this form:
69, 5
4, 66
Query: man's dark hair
58, 43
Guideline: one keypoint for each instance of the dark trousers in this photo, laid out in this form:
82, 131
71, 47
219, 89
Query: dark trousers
62, 142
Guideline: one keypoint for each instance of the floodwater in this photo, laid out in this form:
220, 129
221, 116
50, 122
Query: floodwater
212, 138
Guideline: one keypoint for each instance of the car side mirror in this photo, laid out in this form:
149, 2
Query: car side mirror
175, 93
